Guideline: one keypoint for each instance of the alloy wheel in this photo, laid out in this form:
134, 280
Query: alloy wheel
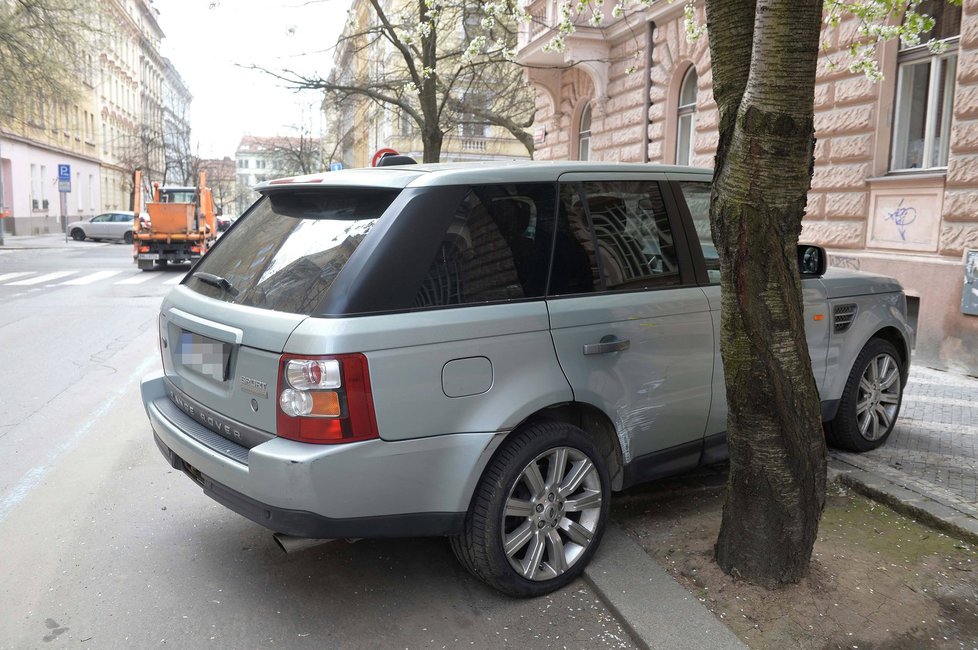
552, 513
879, 397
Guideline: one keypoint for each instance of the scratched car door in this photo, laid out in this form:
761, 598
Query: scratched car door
632, 329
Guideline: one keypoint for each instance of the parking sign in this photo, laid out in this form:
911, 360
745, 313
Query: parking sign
64, 172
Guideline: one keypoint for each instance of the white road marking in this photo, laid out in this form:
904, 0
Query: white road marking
94, 277
136, 279
11, 276
41, 279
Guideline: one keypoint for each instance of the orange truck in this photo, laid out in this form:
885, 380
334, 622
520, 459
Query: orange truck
180, 227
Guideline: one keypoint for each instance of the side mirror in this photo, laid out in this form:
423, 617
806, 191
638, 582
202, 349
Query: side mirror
812, 260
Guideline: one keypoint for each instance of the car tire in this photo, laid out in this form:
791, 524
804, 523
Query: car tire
127, 238
78, 234
538, 513
870, 401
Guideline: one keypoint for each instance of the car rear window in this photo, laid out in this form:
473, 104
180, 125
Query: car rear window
285, 252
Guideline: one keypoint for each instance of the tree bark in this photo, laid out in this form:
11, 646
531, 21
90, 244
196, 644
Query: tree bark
764, 54
431, 133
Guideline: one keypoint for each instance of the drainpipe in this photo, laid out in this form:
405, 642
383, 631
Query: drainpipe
650, 28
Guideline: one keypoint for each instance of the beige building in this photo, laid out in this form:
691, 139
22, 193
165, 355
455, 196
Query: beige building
52, 135
130, 98
895, 188
92, 144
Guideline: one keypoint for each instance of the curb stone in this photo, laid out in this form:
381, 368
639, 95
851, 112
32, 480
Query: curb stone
656, 610
928, 503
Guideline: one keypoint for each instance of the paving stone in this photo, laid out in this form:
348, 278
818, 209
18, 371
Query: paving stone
930, 461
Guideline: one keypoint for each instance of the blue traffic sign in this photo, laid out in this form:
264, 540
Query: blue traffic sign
64, 172
335, 166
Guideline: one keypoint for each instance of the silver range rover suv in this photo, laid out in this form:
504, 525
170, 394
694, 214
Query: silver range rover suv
481, 351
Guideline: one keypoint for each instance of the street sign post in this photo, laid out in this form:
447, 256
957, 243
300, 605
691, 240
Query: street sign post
64, 178
64, 187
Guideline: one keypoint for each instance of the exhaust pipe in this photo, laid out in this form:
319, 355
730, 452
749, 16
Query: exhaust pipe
293, 544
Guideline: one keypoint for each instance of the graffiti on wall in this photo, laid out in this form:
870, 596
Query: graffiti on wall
905, 218
902, 216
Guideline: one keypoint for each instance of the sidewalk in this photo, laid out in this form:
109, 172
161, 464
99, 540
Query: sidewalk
48, 240
929, 465
928, 468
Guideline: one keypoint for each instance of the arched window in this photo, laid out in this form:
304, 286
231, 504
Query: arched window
686, 118
925, 92
584, 134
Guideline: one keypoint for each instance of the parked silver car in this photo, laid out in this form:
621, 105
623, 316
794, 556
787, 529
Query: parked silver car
110, 225
481, 351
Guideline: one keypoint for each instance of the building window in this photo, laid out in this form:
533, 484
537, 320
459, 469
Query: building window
44, 189
584, 134
35, 189
405, 124
473, 124
686, 118
925, 93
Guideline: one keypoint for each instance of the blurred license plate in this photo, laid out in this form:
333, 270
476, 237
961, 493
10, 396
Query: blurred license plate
203, 355
148, 256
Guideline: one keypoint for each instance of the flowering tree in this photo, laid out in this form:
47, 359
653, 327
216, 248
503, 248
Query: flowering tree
439, 65
44, 50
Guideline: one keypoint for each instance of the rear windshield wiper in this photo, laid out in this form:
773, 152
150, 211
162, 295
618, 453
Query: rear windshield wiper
217, 281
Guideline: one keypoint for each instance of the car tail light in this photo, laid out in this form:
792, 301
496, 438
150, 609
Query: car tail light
144, 249
325, 400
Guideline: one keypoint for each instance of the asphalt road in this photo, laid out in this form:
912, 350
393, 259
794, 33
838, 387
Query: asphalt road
104, 546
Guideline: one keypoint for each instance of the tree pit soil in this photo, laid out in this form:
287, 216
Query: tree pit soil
878, 579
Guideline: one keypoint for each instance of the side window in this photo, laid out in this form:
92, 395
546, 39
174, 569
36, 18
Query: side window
121, 218
102, 218
496, 248
635, 248
697, 196
575, 267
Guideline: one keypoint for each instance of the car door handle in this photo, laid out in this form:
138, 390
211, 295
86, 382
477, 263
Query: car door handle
608, 344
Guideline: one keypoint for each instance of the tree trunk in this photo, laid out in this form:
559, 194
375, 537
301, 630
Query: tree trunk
764, 54
431, 133
432, 140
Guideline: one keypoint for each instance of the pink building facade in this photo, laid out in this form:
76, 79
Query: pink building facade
895, 189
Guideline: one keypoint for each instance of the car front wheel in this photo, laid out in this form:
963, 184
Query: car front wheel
870, 401
78, 234
538, 513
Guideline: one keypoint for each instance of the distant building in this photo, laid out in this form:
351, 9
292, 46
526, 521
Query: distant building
222, 179
259, 159
177, 155
131, 98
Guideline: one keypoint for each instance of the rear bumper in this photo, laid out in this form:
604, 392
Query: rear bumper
374, 488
